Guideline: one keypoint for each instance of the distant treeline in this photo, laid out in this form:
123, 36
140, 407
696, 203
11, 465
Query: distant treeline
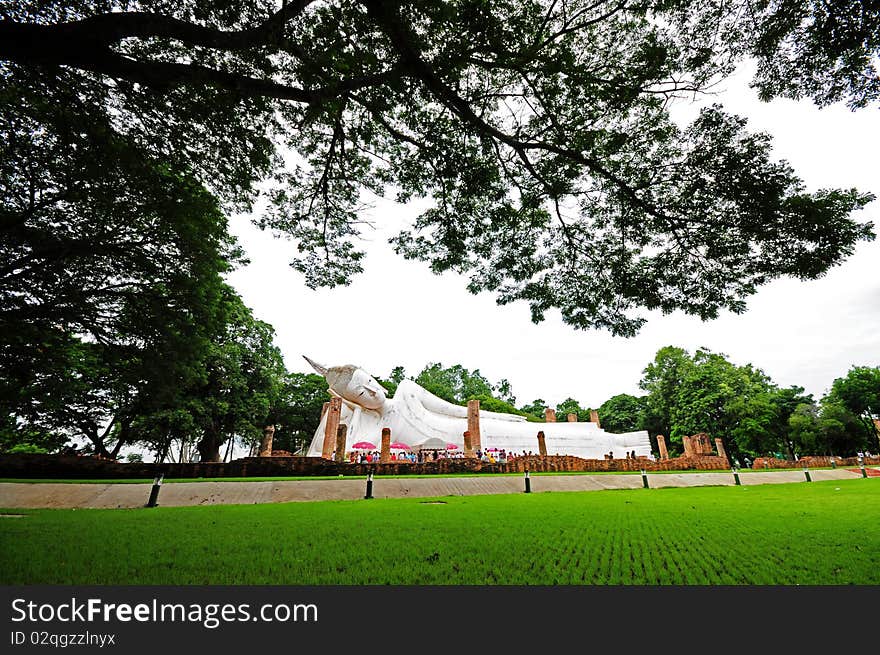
701, 392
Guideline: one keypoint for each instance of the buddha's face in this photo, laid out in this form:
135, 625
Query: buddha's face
363, 390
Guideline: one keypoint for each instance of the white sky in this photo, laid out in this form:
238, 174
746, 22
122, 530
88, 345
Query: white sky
399, 313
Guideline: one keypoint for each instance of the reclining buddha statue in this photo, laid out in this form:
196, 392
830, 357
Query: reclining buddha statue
418, 419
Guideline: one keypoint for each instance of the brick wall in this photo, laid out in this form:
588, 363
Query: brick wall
809, 461
567, 463
57, 466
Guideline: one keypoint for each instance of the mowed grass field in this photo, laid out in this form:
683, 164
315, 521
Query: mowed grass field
822, 533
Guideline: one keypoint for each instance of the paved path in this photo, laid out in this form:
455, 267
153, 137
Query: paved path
55, 495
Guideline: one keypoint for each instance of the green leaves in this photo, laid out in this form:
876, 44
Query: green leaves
454, 384
623, 413
540, 131
705, 392
810, 49
859, 393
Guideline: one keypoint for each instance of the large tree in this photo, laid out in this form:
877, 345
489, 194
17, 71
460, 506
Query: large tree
724, 400
455, 383
572, 406
859, 392
110, 270
243, 382
623, 413
540, 131
661, 380
296, 412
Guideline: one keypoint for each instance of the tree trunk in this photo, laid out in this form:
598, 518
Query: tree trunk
871, 430
119, 443
98, 441
731, 450
209, 447
123, 438
162, 451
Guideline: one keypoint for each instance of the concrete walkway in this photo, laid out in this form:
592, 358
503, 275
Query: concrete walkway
55, 495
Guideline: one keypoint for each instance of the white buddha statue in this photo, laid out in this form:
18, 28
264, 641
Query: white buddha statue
418, 418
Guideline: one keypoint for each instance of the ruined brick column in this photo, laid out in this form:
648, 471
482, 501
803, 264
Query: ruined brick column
661, 444
333, 409
385, 455
688, 446
266, 443
572, 418
473, 415
705, 447
542, 444
719, 445
550, 415
594, 418
341, 432
468, 444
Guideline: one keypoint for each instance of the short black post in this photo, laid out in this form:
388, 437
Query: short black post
736, 477
154, 492
645, 479
807, 475
528, 483
369, 486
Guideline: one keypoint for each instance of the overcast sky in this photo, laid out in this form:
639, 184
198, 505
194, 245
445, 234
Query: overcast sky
399, 313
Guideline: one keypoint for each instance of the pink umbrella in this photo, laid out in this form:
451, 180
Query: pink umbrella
398, 445
451, 446
364, 445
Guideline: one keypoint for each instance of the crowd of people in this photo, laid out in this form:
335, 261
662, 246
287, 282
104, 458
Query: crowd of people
489, 456
629, 455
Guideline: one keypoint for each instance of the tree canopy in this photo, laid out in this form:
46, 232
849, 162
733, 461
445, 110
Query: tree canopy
740, 404
622, 413
297, 410
110, 274
540, 131
859, 393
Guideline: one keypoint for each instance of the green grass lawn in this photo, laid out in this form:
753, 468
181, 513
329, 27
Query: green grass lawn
820, 533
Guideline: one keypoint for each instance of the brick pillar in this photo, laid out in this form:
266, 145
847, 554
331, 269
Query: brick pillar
542, 444
473, 415
719, 445
341, 432
385, 455
704, 445
661, 444
266, 443
594, 418
468, 444
550, 415
688, 446
572, 418
334, 407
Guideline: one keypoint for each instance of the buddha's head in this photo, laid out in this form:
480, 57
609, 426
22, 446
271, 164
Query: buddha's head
353, 384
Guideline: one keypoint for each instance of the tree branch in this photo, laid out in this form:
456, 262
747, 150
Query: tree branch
411, 57
109, 28
64, 45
